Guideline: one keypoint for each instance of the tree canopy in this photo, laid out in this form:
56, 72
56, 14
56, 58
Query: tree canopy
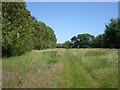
82, 40
97, 42
21, 32
109, 39
112, 34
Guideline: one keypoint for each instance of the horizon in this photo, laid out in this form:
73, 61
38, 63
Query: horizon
69, 19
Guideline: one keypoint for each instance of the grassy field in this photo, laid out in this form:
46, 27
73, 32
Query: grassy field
62, 68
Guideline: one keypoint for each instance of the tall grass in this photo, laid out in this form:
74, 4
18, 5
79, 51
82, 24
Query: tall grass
73, 68
102, 65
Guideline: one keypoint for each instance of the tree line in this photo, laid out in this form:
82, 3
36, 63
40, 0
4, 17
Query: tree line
21, 32
109, 39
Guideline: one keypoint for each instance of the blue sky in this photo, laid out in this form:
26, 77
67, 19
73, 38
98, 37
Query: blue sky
68, 19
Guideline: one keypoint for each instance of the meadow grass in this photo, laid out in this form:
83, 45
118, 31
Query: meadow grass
72, 68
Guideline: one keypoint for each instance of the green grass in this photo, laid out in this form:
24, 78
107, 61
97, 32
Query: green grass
72, 68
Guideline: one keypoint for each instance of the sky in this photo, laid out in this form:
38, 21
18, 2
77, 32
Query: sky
69, 19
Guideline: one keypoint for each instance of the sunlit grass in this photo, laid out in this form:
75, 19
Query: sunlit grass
72, 68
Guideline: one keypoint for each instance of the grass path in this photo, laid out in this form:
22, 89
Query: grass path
73, 74
61, 68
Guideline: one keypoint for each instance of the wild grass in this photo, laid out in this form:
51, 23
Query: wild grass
72, 68
102, 65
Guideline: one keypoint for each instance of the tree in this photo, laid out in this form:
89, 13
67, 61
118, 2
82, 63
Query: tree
67, 44
37, 35
74, 39
97, 42
21, 32
16, 28
112, 34
51, 38
82, 40
85, 40
43, 36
